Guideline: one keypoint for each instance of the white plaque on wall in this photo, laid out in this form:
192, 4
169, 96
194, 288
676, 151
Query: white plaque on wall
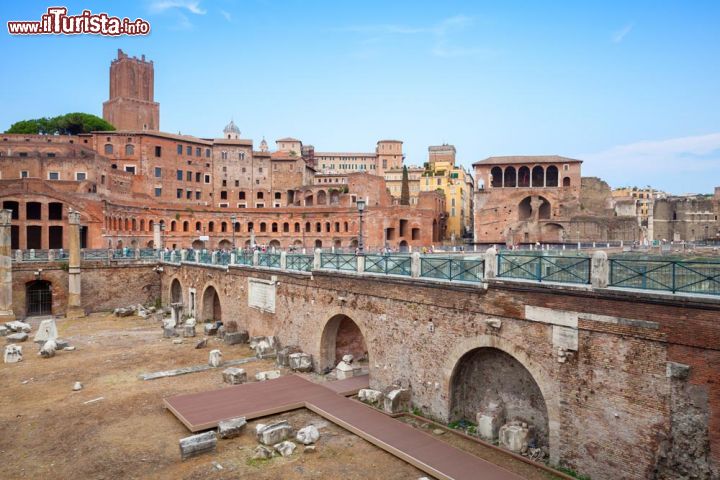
261, 294
565, 337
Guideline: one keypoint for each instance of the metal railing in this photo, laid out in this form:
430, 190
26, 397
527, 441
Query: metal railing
223, 258
190, 256
544, 268
123, 254
388, 265
303, 263
666, 275
339, 261
150, 253
244, 258
271, 260
95, 254
204, 257
457, 269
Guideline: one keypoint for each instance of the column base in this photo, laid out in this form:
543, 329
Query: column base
7, 316
75, 312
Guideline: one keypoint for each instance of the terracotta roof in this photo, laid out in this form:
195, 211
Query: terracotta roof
390, 141
155, 133
528, 159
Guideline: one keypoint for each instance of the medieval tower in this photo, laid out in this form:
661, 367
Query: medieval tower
131, 105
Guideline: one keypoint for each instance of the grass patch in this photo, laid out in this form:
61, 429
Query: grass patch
257, 462
571, 472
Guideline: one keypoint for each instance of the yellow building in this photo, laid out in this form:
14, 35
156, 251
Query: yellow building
441, 173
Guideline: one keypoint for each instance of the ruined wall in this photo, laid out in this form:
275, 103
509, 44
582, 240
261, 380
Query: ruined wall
104, 287
609, 407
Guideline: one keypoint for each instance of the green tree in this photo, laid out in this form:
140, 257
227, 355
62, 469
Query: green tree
405, 187
68, 124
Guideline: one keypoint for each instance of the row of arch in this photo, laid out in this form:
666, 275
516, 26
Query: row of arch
120, 224
537, 177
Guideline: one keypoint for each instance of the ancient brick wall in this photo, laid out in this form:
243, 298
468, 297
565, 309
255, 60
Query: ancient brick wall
611, 409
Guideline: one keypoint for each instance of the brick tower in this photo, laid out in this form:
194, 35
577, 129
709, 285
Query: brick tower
131, 105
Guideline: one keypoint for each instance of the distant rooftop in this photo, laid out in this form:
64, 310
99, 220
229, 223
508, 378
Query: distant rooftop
528, 159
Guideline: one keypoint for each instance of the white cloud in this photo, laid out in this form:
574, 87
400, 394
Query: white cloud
227, 15
192, 6
619, 35
674, 164
440, 34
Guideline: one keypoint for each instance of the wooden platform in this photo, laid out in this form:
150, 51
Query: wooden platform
201, 411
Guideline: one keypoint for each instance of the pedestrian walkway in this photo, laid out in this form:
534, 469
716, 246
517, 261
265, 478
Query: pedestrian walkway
202, 411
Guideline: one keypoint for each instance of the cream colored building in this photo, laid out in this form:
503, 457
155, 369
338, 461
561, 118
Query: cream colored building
388, 155
393, 180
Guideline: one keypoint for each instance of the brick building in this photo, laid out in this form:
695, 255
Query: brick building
132, 105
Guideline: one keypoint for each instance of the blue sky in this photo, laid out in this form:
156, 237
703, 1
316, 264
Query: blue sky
632, 88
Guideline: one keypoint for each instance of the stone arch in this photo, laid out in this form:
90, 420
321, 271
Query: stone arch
497, 177
523, 177
318, 243
538, 177
553, 233
566, 181
547, 387
176, 291
225, 244
274, 244
342, 335
321, 197
211, 307
510, 177
551, 176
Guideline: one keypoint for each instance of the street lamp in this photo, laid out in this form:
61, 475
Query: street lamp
361, 243
233, 221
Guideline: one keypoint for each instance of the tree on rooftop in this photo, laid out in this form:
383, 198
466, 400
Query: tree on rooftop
405, 187
68, 124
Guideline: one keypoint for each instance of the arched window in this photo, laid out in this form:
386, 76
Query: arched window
223, 227
551, 176
129, 149
297, 227
142, 225
327, 227
538, 177
345, 227
337, 226
260, 195
318, 227
134, 224
510, 177
186, 226
108, 148
566, 182
274, 227
263, 227
237, 227
286, 227
523, 177
251, 226
198, 226
211, 226
127, 224
307, 226
173, 225
497, 177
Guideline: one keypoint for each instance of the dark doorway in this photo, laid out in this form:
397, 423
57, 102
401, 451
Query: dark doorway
33, 210
33, 237
14, 206
83, 236
55, 211
39, 298
14, 237
55, 237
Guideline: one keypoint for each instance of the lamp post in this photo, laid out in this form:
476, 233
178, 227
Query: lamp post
361, 243
233, 221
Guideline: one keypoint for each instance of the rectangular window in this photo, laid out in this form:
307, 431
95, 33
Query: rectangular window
198, 194
198, 151
188, 151
179, 149
223, 195
51, 154
53, 175
102, 179
188, 176
23, 154
207, 153
158, 151
158, 191
224, 183
207, 178
198, 176
180, 175
259, 205
24, 174
237, 183
179, 193
80, 176
188, 194
130, 169
158, 172
241, 205
224, 168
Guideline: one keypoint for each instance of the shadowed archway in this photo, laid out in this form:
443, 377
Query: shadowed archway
342, 336
211, 308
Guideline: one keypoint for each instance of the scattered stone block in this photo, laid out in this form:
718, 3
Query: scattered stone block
16, 337
368, 395
13, 354
273, 433
234, 376
77, 387
71, 348
197, 444
123, 312
678, 371
514, 436
307, 435
191, 322
48, 350
234, 338
285, 448
266, 347
262, 453
220, 332
178, 341
345, 370
347, 358
215, 358
489, 420
301, 362
189, 330
201, 344
3, 330
283, 355
210, 329
61, 344
232, 427
309, 449
396, 400
18, 326
169, 332
46, 331
268, 375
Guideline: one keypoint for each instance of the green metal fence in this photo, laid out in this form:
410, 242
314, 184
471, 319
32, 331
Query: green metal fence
204, 257
458, 269
666, 275
190, 257
299, 262
544, 268
150, 253
388, 265
244, 258
223, 258
338, 261
269, 260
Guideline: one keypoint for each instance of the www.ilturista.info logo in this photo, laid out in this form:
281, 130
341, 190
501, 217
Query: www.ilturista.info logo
57, 22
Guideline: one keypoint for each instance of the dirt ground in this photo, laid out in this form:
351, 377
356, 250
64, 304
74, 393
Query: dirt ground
48, 431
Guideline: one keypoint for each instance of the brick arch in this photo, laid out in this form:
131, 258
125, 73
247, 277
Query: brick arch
204, 308
175, 280
326, 335
547, 386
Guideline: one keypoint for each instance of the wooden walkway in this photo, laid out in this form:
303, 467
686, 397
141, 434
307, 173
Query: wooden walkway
202, 411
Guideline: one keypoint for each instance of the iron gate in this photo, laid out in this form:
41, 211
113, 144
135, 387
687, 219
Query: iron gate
39, 298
